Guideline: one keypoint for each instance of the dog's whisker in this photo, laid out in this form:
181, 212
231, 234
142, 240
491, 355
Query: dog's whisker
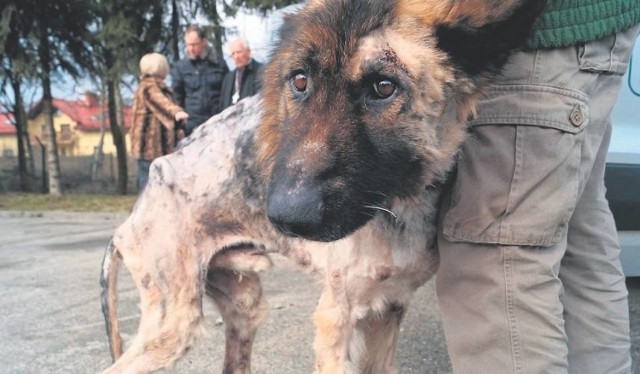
382, 209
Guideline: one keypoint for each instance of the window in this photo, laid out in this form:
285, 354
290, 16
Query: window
65, 132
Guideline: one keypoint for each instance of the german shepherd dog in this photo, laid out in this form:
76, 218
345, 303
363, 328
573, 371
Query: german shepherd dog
337, 167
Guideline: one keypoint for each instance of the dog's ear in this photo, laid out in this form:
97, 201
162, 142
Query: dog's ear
478, 35
483, 50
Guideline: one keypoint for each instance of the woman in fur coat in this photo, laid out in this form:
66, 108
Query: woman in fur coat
156, 117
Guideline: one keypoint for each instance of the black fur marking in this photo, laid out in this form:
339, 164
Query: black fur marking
110, 260
485, 50
246, 169
157, 169
396, 307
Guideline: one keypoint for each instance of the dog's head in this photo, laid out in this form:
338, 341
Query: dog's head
365, 103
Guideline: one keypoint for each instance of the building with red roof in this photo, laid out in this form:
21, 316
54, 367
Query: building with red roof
78, 124
8, 141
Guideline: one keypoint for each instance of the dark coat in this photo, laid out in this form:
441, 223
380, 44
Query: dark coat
196, 87
251, 83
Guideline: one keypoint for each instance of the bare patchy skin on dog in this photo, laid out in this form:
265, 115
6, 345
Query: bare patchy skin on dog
363, 111
179, 241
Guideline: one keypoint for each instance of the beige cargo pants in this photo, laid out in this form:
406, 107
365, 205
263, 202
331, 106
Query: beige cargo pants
530, 279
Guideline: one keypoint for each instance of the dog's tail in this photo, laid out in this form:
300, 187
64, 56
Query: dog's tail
108, 281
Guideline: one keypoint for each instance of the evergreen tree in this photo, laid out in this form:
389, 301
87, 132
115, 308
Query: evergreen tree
56, 32
17, 66
126, 30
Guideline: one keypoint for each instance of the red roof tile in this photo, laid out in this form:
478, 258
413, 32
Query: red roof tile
6, 124
86, 112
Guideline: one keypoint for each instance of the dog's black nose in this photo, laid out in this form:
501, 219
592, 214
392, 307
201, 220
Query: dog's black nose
298, 212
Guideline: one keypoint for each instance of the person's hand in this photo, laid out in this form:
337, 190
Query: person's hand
181, 116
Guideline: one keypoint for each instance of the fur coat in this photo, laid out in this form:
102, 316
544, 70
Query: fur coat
154, 132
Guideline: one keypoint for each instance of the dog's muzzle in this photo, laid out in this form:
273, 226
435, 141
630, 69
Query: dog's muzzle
296, 211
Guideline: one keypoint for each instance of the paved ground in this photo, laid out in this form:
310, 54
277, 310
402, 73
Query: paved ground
51, 319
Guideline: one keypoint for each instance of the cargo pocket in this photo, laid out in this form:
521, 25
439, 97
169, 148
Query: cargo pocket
517, 180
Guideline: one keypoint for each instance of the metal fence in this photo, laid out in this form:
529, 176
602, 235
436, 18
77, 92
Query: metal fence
76, 174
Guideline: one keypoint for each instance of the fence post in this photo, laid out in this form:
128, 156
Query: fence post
43, 149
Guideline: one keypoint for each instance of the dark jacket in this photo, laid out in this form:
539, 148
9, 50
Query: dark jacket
251, 83
196, 87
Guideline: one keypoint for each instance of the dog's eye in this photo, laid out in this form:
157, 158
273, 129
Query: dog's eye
384, 88
299, 82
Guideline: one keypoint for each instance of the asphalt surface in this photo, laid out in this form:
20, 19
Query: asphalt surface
51, 321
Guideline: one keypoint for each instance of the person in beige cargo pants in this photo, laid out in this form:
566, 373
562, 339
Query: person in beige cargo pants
530, 279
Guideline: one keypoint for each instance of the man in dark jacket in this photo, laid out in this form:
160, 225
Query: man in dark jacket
245, 80
197, 79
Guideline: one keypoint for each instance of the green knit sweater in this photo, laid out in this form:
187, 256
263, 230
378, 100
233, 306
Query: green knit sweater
567, 22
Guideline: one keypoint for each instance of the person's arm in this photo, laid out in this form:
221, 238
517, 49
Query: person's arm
163, 107
177, 84
223, 63
257, 79
225, 92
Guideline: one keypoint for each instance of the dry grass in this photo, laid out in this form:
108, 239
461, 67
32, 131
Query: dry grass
70, 203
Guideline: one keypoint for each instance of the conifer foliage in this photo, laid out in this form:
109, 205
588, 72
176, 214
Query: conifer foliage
44, 43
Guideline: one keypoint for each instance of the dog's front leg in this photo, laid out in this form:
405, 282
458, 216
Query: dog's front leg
356, 329
379, 331
333, 333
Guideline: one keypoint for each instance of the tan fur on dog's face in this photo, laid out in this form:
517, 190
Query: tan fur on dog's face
365, 104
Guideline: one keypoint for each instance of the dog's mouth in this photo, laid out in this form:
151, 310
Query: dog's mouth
320, 233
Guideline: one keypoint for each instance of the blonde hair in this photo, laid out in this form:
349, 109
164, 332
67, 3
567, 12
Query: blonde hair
155, 64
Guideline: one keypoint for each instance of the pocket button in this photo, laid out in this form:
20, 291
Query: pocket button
576, 117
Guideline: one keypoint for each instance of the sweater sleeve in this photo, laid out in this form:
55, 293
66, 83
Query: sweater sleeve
162, 107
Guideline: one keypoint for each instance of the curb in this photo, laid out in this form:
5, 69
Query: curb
62, 214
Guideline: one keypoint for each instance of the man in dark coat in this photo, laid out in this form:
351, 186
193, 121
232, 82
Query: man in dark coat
245, 79
197, 79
